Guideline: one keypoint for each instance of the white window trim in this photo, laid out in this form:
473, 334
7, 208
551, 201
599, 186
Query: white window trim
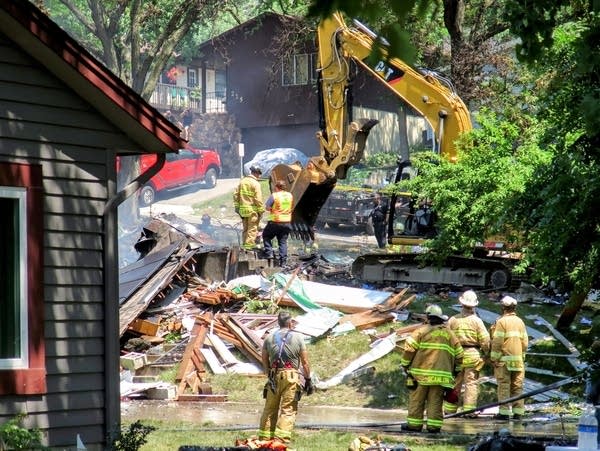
20, 194
309, 68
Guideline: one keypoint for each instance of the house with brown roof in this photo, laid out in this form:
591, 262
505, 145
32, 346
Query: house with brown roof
64, 118
270, 91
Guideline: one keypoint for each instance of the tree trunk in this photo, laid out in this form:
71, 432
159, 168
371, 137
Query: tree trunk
404, 148
571, 309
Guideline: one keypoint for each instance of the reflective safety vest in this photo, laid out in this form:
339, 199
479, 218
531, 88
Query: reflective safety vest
432, 355
247, 197
281, 210
509, 342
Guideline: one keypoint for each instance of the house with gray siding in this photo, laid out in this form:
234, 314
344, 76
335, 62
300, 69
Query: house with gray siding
64, 118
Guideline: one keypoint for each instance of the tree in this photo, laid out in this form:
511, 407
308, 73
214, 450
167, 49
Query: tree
475, 30
137, 38
560, 39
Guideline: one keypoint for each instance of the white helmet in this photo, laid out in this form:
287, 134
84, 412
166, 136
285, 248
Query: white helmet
507, 301
468, 299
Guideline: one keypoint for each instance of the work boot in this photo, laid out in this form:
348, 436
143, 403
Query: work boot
407, 428
433, 430
501, 417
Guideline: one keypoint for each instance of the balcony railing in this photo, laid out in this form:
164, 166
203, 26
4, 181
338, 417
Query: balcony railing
178, 97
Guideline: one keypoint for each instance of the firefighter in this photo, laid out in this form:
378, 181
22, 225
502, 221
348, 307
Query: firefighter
475, 340
432, 357
248, 203
507, 354
279, 206
283, 353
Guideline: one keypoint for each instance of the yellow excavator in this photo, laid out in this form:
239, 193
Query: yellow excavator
342, 142
342, 139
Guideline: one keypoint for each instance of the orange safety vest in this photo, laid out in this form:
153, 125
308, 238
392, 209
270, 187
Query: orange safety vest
281, 210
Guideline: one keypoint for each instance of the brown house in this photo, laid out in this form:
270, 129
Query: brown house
63, 120
272, 94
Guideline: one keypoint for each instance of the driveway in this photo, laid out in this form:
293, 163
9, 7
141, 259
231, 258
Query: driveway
179, 202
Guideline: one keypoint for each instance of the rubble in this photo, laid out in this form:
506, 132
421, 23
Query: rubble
190, 303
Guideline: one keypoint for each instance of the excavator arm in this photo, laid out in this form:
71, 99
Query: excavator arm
341, 139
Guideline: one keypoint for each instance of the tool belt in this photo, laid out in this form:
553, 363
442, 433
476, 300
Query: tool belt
283, 365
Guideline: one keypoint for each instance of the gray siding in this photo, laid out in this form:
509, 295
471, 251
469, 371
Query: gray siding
43, 122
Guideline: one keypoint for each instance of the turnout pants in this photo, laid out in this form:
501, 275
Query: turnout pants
250, 230
279, 414
510, 383
425, 398
469, 378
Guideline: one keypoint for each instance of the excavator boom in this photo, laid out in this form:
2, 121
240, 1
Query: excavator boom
341, 139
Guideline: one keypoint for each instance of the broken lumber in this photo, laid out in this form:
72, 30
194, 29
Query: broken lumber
379, 314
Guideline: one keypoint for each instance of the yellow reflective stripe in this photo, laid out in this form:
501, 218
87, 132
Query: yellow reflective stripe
414, 421
411, 344
440, 346
436, 423
282, 433
495, 355
404, 362
434, 373
449, 407
511, 358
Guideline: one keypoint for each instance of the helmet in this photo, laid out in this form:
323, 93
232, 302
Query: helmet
255, 170
468, 299
507, 301
435, 310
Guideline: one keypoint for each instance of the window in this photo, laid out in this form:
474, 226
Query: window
220, 84
13, 311
192, 80
22, 354
299, 70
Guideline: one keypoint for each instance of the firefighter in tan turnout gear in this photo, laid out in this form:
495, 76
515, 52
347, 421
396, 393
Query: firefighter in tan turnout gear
432, 356
475, 340
283, 353
507, 354
248, 203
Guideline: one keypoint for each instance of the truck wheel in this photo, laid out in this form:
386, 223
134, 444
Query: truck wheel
210, 179
147, 196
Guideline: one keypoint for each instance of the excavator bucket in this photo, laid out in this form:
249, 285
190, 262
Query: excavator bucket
312, 185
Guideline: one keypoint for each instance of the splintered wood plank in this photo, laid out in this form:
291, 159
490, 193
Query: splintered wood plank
248, 346
197, 337
378, 315
221, 349
213, 361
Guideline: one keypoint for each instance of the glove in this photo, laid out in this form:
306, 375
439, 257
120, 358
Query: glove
309, 388
404, 370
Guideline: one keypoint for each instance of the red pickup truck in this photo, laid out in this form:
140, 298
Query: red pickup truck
189, 166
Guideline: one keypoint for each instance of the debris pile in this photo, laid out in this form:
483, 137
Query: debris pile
180, 305
188, 305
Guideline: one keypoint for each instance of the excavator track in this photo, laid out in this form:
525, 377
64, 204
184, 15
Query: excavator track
476, 272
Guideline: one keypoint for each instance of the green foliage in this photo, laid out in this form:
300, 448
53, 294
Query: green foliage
172, 337
472, 198
558, 206
14, 436
133, 438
